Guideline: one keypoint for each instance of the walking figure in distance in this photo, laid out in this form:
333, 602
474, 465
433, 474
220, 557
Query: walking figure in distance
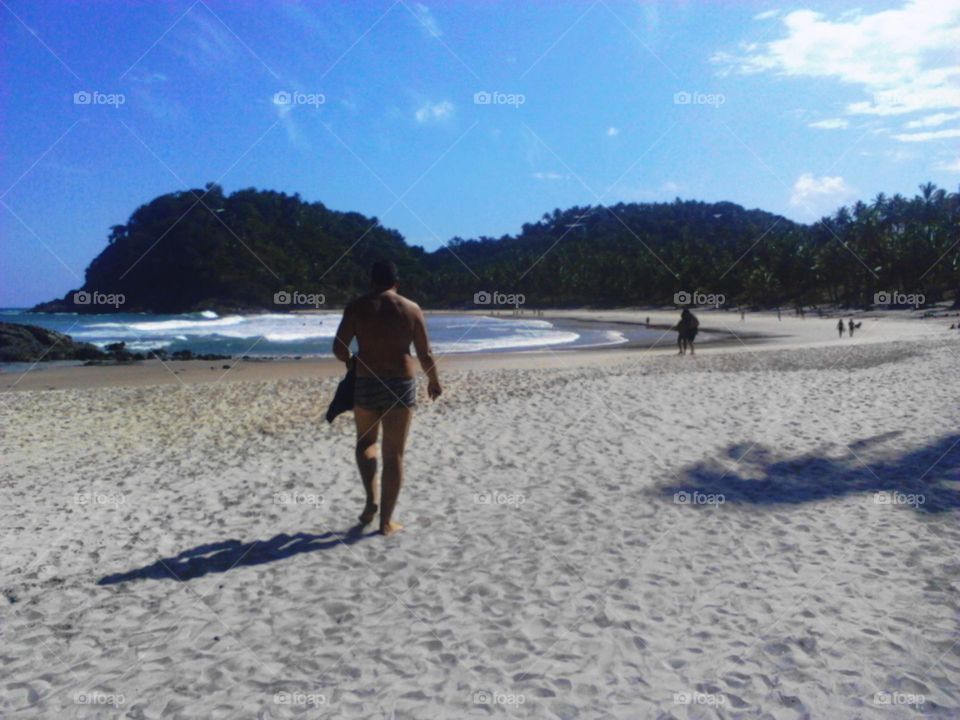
687, 330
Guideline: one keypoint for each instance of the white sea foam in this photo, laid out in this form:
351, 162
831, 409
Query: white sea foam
610, 337
188, 325
508, 342
311, 333
148, 345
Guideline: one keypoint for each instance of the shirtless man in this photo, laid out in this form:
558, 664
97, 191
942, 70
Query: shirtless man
385, 324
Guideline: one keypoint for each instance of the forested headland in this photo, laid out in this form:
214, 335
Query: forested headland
202, 249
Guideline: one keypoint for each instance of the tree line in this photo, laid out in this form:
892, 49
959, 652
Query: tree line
264, 250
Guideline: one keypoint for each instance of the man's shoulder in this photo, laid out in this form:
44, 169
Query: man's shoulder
408, 305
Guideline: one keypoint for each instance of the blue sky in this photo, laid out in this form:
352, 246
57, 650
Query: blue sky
795, 109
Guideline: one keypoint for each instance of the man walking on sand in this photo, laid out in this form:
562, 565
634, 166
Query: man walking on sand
385, 324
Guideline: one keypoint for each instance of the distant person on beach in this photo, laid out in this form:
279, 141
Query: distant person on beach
852, 327
385, 324
840, 327
686, 331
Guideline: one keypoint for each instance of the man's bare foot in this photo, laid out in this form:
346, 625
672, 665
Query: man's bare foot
390, 528
369, 513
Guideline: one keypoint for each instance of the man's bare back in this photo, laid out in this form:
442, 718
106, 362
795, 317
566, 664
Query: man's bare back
385, 325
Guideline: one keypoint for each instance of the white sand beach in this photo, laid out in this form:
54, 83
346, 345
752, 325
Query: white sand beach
765, 530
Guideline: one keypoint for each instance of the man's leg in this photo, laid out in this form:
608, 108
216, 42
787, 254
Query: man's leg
368, 426
396, 425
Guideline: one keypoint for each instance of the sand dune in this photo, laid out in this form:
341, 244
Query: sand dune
740, 534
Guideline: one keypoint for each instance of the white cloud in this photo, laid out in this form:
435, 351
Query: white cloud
430, 111
932, 120
927, 136
831, 124
766, 15
426, 19
952, 166
820, 195
548, 176
905, 60
613, 132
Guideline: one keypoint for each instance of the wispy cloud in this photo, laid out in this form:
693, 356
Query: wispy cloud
145, 77
830, 124
548, 176
952, 166
927, 136
204, 42
932, 120
434, 111
613, 132
426, 19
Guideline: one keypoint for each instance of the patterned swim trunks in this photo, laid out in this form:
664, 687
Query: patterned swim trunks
372, 393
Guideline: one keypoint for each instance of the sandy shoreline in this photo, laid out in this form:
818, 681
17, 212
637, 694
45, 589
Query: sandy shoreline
766, 530
721, 331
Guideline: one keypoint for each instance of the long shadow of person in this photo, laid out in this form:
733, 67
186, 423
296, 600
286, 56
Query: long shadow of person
223, 556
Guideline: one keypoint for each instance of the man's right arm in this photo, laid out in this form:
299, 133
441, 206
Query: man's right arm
421, 342
345, 334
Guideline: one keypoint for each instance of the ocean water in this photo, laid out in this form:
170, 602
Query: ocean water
274, 335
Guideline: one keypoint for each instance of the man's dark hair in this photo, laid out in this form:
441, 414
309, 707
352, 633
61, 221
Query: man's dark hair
383, 274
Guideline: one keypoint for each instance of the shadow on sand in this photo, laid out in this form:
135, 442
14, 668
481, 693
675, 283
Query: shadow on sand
930, 472
223, 556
